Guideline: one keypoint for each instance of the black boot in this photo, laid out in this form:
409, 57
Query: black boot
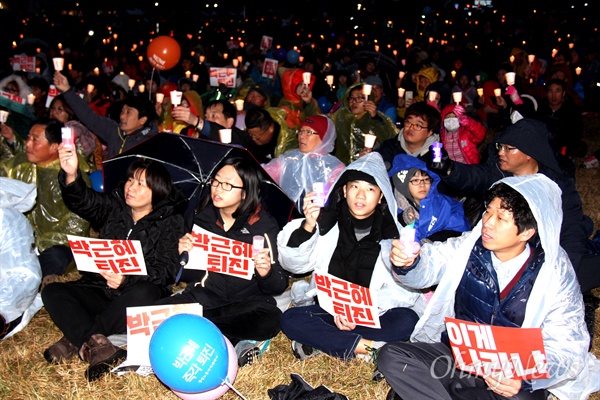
102, 356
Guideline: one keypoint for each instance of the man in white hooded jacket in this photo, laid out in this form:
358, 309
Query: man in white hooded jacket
478, 280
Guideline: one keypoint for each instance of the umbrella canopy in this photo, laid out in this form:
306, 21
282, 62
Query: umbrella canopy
387, 67
19, 117
192, 162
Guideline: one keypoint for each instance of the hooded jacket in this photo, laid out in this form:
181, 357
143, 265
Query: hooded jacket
315, 253
437, 212
158, 232
351, 129
532, 138
555, 302
296, 171
292, 103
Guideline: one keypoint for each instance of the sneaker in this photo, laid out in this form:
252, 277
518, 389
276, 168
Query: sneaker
302, 351
248, 351
590, 162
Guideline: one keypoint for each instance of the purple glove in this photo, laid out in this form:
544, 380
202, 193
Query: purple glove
514, 95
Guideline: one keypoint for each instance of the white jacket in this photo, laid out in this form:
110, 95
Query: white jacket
315, 254
555, 303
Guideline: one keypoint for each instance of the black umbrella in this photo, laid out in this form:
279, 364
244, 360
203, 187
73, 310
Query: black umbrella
192, 162
19, 117
386, 66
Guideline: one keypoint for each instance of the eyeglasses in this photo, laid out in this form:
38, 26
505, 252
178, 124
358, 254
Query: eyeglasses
418, 182
307, 132
355, 99
261, 134
416, 127
505, 148
224, 185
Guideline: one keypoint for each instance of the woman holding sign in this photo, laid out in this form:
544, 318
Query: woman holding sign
340, 243
146, 208
243, 309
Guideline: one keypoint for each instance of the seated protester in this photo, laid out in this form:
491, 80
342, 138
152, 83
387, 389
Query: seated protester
136, 121
421, 127
343, 239
191, 101
148, 208
244, 310
435, 217
382, 102
460, 134
524, 149
297, 101
21, 272
270, 136
357, 118
509, 271
297, 170
50, 218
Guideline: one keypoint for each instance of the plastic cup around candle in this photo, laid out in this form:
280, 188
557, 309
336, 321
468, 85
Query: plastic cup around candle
68, 138
329, 79
408, 95
176, 97
511, 59
530, 58
477, 78
160, 97
480, 92
201, 59
30, 98
195, 77
370, 140
235, 62
131, 83
239, 105
578, 70
510, 78
3, 116
188, 74
498, 92
306, 78
401, 74
142, 88
59, 63
401, 92
225, 135
319, 189
90, 88
437, 151
457, 97
453, 73
258, 243
367, 89
407, 238
432, 96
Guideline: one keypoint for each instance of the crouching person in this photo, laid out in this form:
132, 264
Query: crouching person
509, 271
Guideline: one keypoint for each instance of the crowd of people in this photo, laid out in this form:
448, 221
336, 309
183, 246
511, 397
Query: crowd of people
479, 162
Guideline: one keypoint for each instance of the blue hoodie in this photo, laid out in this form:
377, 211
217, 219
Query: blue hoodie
437, 212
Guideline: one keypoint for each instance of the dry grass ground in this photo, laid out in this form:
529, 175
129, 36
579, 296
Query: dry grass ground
24, 374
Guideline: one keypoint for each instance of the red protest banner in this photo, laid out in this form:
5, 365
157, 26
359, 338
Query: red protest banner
515, 353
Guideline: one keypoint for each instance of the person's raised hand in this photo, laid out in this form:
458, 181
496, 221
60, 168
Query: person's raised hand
184, 114
61, 82
461, 114
401, 256
69, 162
442, 167
311, 211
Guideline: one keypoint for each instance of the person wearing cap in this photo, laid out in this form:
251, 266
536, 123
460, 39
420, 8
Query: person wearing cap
355, 119
524, 149
342, 239
135, 125
383, 104
297, 170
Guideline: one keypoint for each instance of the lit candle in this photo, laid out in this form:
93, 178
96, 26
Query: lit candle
571, 45
239, 105
225, 56
329, 79
90, 88
480, 92
554, 51
195, 77
306, 78
578, 70
367, 89
30, 98
202, 58
97, 71
401, 74
160, 97
401, 92
511, 59
530, 58
188, 74
235, 63
131, 83
453, 74
141, 88
497, 92
376, 47
240, 58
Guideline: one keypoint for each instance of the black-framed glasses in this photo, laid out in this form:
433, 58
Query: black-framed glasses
505, 148
355, 99
416, 127
306, 132
224, 185
418, 182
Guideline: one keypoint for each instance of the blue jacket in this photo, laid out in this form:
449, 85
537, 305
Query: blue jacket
437, 212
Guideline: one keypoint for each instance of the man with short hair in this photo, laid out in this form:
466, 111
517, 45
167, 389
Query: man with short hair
50, 218
135, 122
509, 271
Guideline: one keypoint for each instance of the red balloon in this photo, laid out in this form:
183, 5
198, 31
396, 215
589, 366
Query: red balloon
163, 53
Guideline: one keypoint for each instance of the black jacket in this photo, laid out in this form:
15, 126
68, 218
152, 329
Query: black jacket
159, 232
219, 289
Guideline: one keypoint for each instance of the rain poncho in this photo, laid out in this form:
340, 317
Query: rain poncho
293, 105
351, 130
315, 254
20, 273
287, 140
50, 218
436, 212
296, 171
555, 303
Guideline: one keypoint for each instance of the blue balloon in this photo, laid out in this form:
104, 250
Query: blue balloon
324, 104
293, 56
97, 181
189, 354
